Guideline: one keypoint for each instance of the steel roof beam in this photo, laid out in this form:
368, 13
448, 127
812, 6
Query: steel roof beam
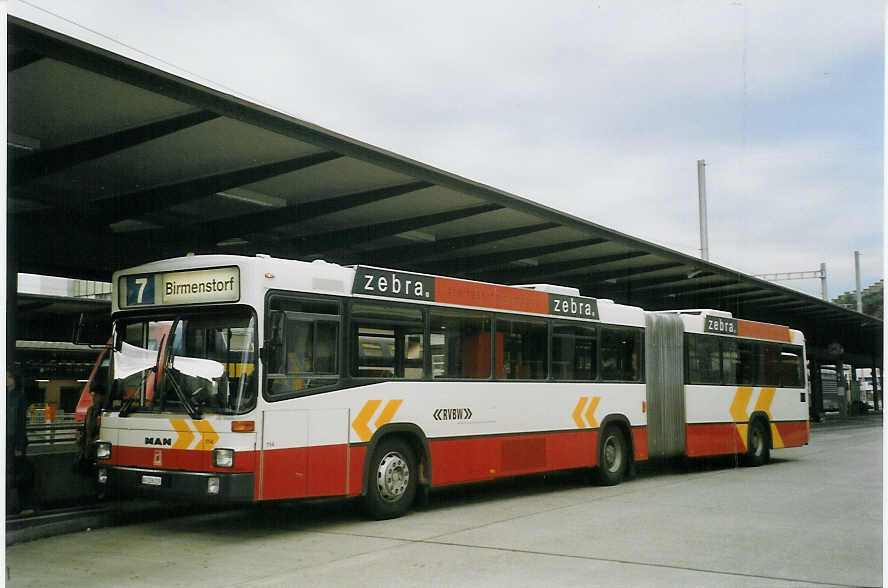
208, 234
540, 272
43, 163
420, 251
321, 242
730, 291
628, 273
472, 265
687, 290
138, 203
641, 285
21, 59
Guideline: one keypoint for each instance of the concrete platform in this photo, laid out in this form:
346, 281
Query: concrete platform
812, 517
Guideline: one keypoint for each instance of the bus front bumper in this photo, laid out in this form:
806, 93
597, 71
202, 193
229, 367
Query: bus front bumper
209, 487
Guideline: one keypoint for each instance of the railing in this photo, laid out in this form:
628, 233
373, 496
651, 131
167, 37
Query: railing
53, 433
61, 430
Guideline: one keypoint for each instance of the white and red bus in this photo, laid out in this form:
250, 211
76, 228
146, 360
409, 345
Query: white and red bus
257, 379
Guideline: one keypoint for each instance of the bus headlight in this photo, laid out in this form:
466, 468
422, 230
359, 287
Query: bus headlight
103, 476
103, 450
213, 485
223, 458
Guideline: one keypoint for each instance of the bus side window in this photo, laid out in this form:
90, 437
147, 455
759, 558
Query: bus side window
730, 362
525, 349
791, 368
703, 359
749, 363
621, 354
302, 346
387, 341
770, 365
460, 344
574, 352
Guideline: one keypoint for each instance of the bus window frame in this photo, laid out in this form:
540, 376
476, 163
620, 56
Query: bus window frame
342, 372
353, 342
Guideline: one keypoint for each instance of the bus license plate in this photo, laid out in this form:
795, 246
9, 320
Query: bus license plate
152, 480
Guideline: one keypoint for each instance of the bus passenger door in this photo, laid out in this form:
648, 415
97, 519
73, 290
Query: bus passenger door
304, 453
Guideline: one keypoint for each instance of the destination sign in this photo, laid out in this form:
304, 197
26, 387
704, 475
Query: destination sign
410, 286
186, 287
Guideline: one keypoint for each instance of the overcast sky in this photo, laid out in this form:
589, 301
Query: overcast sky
600, 109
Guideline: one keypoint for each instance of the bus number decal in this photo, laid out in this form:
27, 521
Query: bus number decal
139, 290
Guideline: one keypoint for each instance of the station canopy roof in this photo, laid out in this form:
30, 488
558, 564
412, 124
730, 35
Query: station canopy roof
112, 162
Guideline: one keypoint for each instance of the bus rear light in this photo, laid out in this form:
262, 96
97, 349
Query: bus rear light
243, 426
103, 450
223, 458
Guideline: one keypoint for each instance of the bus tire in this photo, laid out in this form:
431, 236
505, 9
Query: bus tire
613, 456
758, 451
392, 480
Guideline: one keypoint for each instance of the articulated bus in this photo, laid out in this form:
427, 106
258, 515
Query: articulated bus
259, 379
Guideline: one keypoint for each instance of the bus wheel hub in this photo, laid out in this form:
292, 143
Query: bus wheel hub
392, 477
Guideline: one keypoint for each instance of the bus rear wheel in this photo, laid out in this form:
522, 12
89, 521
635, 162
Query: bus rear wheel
392, 484
613, 456
758, 450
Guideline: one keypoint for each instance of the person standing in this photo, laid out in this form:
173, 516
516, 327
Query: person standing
19, 471
91, 425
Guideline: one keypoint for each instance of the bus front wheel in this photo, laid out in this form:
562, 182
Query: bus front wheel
613, 456
392, 484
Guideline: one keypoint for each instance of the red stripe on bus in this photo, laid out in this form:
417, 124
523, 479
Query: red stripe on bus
794, 434
357, 456
304, 471
713, 439
640, 443
177, 459
459, 461
724, 438
450, 291
763, 331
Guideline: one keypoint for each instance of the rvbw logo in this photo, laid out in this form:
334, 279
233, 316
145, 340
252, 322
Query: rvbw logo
392, 284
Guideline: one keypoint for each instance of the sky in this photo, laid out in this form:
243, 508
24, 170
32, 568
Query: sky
599, 109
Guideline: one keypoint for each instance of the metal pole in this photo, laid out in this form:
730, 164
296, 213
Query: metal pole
858, 295
823, 293
701, 189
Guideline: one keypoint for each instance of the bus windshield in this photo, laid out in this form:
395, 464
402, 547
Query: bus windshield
188, 362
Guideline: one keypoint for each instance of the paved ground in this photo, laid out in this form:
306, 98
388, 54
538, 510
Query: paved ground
812, 517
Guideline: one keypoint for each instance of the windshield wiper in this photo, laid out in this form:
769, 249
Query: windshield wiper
193, 412
129, 405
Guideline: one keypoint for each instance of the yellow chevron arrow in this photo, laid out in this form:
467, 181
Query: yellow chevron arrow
590, 412
388, 413
738, 411
360, 423
764, 404
577, 413
183, 441
208, 436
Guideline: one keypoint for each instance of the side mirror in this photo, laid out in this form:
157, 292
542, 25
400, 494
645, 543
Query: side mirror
271, 349
92, 329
